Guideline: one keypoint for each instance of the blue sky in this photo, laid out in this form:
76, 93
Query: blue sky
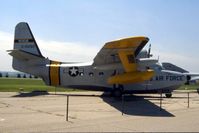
171, 25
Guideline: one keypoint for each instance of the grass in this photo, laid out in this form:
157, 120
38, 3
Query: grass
28, 85
189, 87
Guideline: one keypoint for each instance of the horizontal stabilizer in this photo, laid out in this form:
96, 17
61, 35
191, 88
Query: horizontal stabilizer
22, 55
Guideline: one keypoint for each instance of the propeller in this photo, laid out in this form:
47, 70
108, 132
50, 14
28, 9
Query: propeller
149, 52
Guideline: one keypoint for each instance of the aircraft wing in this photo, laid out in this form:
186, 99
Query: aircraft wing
123, 51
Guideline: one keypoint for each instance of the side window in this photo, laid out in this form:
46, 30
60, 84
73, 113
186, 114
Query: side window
91, 74
81, 73
101, 73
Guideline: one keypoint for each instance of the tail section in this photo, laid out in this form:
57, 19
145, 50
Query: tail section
24, 39
26, 54
28, 58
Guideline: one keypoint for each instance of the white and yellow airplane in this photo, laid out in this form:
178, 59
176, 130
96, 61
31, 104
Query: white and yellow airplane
119, 67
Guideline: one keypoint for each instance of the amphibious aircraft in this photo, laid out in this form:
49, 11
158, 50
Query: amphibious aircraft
121, 66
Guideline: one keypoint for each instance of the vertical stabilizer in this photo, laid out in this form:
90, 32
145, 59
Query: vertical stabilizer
24, 39
26, 54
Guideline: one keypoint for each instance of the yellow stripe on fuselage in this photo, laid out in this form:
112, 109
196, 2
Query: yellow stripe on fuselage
54, 73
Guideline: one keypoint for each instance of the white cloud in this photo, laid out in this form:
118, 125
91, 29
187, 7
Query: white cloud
54, 50
6, 41
67, 51
79, 52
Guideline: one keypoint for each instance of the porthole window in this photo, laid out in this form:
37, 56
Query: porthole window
101, 73
81, 74
91, 74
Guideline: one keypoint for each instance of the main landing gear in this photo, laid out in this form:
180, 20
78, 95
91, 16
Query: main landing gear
117, 91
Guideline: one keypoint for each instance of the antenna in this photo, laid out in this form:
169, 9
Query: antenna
149, 52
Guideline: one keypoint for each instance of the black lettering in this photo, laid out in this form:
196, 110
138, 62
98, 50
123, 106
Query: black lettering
27, 46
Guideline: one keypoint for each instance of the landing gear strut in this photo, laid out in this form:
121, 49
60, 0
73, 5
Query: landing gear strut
117, 91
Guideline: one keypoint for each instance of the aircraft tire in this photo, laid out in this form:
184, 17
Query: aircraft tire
168, 95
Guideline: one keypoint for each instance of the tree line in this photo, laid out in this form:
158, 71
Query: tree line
18, 75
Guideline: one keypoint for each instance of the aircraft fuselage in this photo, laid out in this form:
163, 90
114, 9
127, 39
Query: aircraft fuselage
88, 78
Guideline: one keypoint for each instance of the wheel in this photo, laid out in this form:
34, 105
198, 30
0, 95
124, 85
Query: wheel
168, 95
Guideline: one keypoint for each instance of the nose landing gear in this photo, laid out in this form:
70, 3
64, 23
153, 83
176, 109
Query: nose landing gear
168, 95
